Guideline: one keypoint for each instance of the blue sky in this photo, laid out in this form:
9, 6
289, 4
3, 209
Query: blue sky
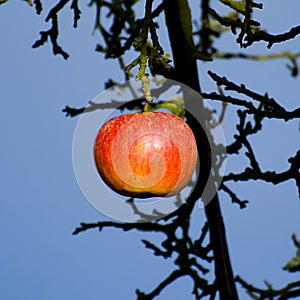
41, 202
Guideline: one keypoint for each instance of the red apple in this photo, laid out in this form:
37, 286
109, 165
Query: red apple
145, 154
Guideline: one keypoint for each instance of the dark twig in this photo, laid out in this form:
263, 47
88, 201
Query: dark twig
292, 57
77, 12
254, 35
149, 227
38, 6
241, 89
52, 33
233, 196
271, 109
245, 29
171, 278
229, 22
291, 290
294, 264
273, 38
254, 174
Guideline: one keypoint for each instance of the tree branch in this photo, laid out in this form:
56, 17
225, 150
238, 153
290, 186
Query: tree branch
186, 72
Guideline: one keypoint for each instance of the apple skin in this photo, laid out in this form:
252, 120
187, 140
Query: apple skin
145, 154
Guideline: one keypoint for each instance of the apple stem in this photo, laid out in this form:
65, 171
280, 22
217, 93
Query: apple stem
146, 89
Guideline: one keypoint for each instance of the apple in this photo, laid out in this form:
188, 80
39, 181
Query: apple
145, 154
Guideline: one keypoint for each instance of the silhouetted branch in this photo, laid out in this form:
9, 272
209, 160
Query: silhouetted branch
73, 112
38, 6
292, 57
294, 264
171, 278
233, 196
124, 226
255, 174
156, 250
242, 139
244, 130
185, 65
270, 109
271, 38
241, 89
291, 290
52, 33
187, 252
124, 24
205, 32
228, 99
246, 28
251, 35
76, 11
230, 22
201, 287
92, 106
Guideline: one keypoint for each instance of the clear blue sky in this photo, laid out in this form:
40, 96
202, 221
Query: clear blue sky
41, 203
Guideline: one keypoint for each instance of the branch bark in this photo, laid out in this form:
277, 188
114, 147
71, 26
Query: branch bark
186, 71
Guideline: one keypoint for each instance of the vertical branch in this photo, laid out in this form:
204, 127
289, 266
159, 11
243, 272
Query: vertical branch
223, 270
183, 54
205, 29
186, 72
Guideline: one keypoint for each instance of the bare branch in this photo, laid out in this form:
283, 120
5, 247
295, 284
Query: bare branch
52, 33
